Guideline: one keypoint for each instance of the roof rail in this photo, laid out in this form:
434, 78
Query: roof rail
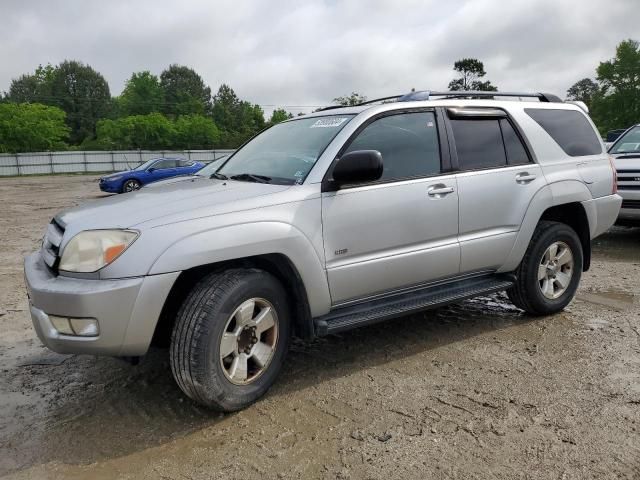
422, 95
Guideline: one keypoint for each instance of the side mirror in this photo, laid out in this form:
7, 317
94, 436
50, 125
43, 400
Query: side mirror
359, 166
151, 170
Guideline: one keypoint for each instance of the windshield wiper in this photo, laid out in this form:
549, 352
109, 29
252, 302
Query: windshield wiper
251, 177
219, 176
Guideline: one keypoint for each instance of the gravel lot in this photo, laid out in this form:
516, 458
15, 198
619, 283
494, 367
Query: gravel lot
475, 390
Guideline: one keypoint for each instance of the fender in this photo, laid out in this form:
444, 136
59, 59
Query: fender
238, 241
557, 193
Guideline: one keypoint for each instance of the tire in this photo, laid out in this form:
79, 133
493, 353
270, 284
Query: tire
527, 294
216, 309
130, 185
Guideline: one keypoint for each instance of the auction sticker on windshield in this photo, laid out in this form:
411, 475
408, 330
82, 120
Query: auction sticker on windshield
329, 122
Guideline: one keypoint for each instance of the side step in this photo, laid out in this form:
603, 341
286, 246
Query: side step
374, 311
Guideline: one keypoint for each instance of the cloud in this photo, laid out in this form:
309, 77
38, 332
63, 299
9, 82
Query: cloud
293, 53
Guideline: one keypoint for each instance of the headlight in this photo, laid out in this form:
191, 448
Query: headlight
91, 250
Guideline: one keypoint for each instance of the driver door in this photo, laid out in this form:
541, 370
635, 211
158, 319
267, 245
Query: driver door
401, 230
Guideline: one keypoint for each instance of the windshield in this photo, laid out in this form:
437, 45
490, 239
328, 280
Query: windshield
210, 168
628, 143
146, 164
286, 152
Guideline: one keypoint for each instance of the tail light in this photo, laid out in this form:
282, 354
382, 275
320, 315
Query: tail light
614, 190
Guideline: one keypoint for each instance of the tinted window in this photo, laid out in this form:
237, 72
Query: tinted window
516, 153
184, 163
478, 144
569, 128
628, 143
164, 164
408, 143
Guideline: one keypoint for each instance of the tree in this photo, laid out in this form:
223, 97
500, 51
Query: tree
184, 92
142, 95
279, 115
31, 127
196, 131
350, 100
153, 131
617, 104
583, 91
83, 94
471, 70
237, 119
33, 88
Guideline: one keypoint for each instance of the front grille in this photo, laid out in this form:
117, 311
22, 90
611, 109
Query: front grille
51, 244
628, 179
630, 203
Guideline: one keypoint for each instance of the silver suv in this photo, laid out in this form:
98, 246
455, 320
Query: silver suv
328, 222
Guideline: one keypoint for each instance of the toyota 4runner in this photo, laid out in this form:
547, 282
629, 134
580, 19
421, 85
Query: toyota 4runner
327, 222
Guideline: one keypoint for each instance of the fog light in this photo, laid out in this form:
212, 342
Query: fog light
85, 327
61, 324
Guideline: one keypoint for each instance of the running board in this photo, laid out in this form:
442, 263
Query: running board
374, 311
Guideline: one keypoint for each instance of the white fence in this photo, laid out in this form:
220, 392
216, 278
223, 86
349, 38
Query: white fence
87, 162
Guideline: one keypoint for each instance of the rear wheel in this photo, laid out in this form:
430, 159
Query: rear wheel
230, 338
549, 274
130, 185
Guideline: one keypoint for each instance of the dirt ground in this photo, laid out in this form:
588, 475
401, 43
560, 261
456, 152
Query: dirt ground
475, 390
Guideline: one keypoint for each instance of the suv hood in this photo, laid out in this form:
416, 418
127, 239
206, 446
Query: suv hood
130, 209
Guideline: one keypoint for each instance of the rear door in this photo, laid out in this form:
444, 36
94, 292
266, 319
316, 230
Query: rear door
497, 180
401, 230
165, 168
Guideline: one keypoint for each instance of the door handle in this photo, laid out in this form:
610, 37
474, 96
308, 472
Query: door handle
439, 191
525, 177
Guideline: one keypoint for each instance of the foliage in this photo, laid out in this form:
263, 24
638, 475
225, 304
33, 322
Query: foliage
617, 103
239, 120
350, 100
196, 132
142, 95
32, 88
279, 115
583, 90
184, 92
471, 70
28, 127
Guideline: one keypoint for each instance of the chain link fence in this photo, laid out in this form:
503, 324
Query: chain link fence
43, 163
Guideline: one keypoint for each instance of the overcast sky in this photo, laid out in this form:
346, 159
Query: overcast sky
299, 53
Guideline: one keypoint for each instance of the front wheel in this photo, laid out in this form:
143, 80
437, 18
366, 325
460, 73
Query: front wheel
549, 274
230, 338
130, 185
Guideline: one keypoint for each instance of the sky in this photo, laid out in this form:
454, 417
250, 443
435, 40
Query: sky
302, 54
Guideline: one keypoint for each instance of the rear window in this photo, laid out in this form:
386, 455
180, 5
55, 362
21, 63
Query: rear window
569, 128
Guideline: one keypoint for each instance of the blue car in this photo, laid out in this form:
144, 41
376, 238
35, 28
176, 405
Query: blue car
151, 171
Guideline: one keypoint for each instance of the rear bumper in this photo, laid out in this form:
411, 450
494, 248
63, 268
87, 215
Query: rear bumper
127, 309
602, 213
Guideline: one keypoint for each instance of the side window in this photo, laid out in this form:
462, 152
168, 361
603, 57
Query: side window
162, 164
479, 143
570, 130
184, 163
516, 153
408, 143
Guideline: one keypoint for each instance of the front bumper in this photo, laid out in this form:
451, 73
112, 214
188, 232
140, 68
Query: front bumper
110, 187
127, 309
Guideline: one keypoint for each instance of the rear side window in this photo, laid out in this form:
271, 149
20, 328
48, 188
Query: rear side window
479, 144
516, 153
569, 128
408, 143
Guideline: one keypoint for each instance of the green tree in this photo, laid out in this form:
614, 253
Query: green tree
153, 131
617, 104
196, 132
83, 94
583, 90
349, 100
470, 71
33, 88
279, 115
31, 127
238, 120
142, 95
184, 92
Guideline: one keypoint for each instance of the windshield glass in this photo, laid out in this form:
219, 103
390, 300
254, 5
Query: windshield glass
146, 164
286, 152
210, 168
628, 143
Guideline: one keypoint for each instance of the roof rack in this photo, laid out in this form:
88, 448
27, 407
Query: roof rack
422, 95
